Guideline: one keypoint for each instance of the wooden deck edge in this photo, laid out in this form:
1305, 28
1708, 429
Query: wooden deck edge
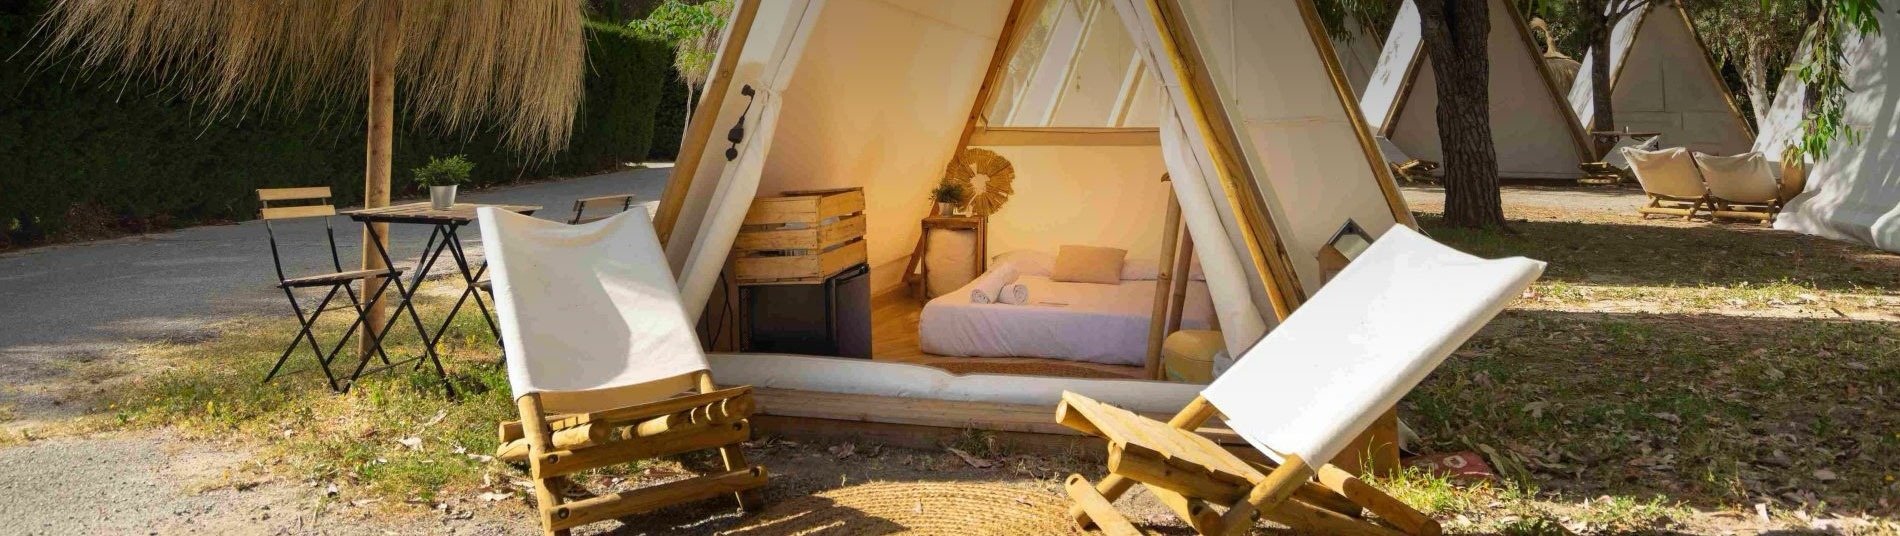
928, 423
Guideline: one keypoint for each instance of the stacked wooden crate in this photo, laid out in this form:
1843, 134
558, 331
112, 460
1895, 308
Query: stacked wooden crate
800, 237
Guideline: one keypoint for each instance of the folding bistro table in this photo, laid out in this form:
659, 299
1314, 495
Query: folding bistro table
443, 237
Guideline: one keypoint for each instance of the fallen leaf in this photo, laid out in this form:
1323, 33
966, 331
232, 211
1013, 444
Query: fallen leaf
439, 415
1825, 475
494, 496
413, 443
843, 451
974, 461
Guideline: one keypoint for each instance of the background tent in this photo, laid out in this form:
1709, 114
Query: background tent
1537, 137
1854, 192
1358, 55
1663, 79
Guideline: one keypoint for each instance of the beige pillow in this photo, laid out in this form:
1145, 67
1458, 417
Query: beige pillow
1088, 264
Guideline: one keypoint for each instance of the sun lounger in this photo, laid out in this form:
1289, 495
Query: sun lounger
1741, 186
604, 366
1671, 179
1301, 396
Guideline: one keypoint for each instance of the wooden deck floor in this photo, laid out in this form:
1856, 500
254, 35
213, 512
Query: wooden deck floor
894, 338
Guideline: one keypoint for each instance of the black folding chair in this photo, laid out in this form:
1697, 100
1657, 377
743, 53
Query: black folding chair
314, 202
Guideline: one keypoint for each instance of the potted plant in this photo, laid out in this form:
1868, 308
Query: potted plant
442, 175
949, 196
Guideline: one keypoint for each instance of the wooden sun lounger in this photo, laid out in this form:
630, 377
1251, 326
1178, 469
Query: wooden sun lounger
1188, 472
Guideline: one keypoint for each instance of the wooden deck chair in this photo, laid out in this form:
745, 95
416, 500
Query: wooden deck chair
605, 367
1671, 179
1743, 186
1301, 395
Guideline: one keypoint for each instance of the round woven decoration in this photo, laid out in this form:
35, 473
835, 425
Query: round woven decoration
915, 508
996, 189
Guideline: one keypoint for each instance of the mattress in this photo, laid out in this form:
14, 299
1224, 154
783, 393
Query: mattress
1089, 322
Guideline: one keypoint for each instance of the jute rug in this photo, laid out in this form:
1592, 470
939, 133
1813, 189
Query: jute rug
921, 508
1037, 368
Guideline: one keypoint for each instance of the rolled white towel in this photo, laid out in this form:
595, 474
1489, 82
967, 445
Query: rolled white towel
1014, 294
986, 288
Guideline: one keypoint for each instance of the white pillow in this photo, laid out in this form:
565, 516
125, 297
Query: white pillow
1026, 262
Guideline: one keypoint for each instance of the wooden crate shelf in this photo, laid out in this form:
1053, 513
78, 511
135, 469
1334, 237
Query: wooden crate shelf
800, 237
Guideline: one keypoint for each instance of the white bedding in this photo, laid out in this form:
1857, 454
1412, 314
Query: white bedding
1074, 321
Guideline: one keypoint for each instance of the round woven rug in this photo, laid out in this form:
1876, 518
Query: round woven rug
914, 508
1030, 369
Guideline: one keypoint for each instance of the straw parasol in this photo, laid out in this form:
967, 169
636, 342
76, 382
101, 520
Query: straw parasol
461, 63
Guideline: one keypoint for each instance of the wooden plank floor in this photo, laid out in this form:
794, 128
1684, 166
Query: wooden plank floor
894, 338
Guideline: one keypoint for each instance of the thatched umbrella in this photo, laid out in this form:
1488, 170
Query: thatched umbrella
461, 63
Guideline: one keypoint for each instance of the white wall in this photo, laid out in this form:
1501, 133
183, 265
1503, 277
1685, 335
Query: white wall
1095, 196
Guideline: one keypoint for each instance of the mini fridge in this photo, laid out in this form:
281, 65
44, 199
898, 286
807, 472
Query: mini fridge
828, 318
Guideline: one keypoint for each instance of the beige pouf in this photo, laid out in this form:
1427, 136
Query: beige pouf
1188, 355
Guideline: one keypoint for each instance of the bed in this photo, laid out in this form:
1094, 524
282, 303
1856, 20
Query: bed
1097, 323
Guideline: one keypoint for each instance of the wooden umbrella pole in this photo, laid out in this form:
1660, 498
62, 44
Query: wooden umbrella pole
381, 119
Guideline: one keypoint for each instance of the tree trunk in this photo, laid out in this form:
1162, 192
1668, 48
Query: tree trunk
378, 152
1755, 77
1456, 37
1603, 115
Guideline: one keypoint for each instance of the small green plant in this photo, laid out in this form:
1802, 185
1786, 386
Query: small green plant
444, 171
950, 192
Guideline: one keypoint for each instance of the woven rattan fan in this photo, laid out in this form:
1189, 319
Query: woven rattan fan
995, 190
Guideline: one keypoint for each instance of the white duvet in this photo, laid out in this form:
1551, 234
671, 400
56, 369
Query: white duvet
1075, 321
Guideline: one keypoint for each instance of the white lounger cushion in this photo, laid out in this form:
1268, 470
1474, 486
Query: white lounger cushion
590, 315
1743, 178
1669, 172
1340, 361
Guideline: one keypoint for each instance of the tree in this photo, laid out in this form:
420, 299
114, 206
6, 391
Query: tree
1823, 67
693, 29
1455, 34
1597, 20
1757, 37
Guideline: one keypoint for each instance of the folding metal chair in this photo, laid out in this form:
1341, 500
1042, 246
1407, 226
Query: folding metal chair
274, 201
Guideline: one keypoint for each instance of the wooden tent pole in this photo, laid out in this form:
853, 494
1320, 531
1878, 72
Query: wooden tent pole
1013, 30
705, 117
1183, 270
380, 149
1164, 277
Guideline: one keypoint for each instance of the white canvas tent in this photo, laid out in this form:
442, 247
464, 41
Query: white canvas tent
1536, 136
1242, 103
1663, 79
1854, 192
1358, 55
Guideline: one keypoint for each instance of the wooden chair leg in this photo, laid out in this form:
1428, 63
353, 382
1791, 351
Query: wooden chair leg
1096, 509
1387, 507
732, 457
547, 491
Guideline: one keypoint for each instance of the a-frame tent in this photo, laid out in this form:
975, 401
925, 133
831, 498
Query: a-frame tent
1535, 134
1663, 79
1358, 54
1254, 124
1853, 193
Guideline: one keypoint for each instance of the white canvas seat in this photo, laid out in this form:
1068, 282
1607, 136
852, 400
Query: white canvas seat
1304, 393
1741, 186
1671, 179
604, 366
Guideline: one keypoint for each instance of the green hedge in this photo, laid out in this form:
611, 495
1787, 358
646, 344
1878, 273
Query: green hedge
99, 146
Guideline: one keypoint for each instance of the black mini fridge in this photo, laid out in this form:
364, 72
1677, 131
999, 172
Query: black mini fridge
829, 318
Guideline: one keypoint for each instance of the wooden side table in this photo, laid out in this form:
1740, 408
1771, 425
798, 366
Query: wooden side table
917, 272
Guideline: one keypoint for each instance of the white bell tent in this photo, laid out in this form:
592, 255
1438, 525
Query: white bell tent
1240, 103
1854, 192
1663, 79
1533, 129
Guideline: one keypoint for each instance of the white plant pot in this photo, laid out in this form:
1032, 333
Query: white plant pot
442, 197
946, 209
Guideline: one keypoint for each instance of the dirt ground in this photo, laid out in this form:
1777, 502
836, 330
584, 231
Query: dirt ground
143, 481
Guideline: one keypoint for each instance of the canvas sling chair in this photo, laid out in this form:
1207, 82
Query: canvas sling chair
1302, 394
1403, 165
586, 210
1743, 186
605, 367
1670, 178
281, 204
